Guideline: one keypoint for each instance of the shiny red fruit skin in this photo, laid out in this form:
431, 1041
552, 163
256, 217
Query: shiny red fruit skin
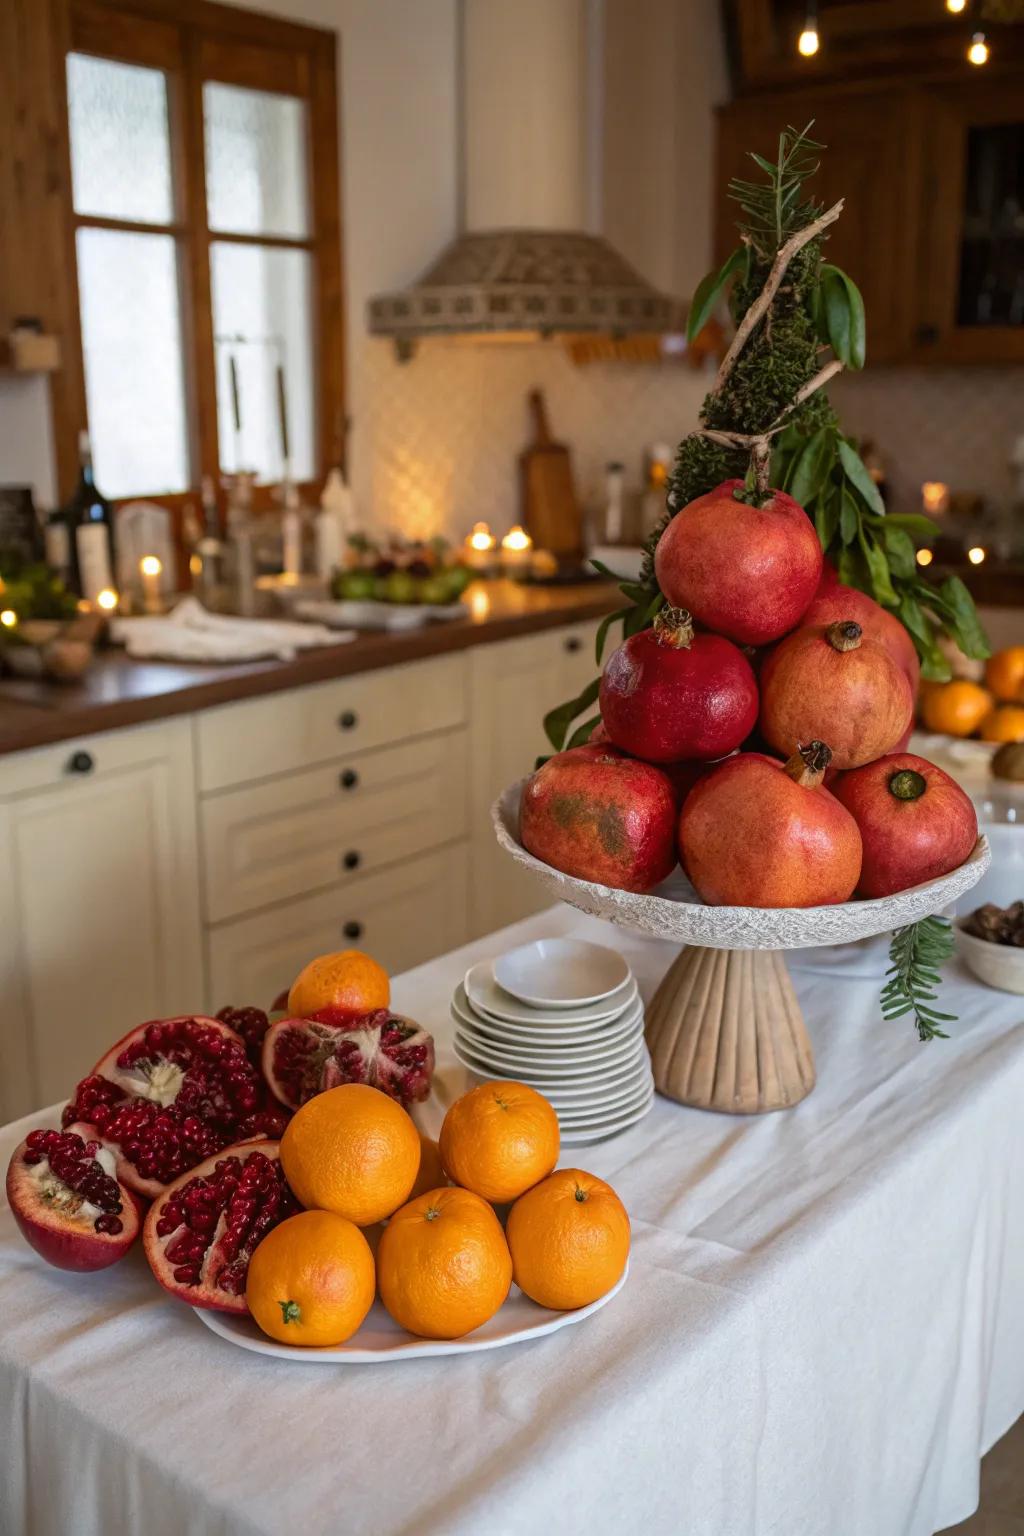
745, 572
598, 815
858, 701
833, 603
664, 703
749, 836
907, 842
64, 1244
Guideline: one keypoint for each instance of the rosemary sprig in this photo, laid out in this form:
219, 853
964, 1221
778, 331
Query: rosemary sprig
917, 951
776, 208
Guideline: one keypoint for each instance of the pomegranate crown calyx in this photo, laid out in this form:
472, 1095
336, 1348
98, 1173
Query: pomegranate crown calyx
674, 627
844, 636
907, 784
808, 764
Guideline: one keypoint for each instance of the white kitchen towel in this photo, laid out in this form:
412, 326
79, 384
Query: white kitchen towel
192, 633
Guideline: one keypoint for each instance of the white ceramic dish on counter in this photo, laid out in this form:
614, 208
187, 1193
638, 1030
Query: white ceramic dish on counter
561, 973
997, 965
494, 1002
380, 1338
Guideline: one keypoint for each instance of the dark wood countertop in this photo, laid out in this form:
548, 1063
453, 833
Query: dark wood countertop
118, 692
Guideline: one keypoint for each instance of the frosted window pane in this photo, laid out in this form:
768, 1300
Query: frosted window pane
131, 337
256, 180
120, 154
262, 316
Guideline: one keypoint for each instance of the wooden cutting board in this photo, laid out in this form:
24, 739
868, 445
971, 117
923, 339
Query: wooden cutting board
550, 512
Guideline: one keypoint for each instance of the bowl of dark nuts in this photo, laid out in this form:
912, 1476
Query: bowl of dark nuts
990, 941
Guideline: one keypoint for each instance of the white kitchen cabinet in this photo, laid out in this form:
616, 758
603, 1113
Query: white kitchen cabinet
100, 916
512, 686
402, 916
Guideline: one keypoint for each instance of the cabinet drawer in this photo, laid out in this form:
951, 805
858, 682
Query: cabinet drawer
253, 740
91, 757
269, 842
402, 917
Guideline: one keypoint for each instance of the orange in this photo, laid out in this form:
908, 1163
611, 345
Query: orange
431, 1174
352, 1150
348, 980
569, 1238
1005, 723
443, 1264
499, 1139
956, 709
311, 1280
1004, 674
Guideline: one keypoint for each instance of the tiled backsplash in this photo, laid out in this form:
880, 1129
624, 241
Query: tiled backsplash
437, 439
957, 425
437, 447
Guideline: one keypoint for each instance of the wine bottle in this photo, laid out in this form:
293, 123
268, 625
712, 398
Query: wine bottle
90, 519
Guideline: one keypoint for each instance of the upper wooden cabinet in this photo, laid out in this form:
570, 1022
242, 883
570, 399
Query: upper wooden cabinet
933, 230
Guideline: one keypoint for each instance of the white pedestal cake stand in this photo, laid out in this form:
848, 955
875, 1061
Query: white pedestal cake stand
724, 1028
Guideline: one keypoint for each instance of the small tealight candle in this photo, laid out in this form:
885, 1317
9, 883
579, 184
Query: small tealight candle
151, 569
107, 599
515, 551
8, 618
479, 548
976, 555
935, 497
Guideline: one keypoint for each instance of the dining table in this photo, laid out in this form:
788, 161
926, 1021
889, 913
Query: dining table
821, 1331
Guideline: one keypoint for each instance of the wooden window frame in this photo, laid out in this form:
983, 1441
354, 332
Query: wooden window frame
194, 41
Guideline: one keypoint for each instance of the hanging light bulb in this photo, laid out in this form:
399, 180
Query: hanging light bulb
808, 42
956, 7
977, 53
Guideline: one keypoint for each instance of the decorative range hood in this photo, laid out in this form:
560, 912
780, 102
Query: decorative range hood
525, 264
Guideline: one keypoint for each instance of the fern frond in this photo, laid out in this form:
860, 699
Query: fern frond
917, 953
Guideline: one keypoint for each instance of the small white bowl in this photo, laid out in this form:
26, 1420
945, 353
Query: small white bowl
560, 973
997, 965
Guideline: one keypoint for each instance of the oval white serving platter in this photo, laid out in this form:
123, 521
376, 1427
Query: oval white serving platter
484, 993
381, 1339
674, 910
561, 973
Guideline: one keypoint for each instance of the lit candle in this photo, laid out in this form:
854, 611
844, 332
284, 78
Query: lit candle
8, 618
515, 551
924, 557
976, 555
107, 600
479, 548
151, 569
935, 497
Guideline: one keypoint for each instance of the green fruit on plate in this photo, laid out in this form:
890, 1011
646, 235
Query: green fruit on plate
354, 586
458, 578
435, 590
400, 587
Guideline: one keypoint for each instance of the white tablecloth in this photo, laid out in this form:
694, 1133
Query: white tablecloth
821, 1333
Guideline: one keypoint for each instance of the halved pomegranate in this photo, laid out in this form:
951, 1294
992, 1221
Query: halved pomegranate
202, 1231
303, 1057
64, 1196
252, 1024
171, 1093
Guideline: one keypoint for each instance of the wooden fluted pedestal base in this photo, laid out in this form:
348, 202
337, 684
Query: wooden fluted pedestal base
725, 1032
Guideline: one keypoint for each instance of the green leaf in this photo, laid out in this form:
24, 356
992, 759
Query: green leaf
851, 568
857, 473
920, 528
558, 720
602, 631
849, 521
603, 570
812, 468
709, 291
581, 735
964, 621
837, 312
917, 953
826, 518
900, 548
878, 570
853, 324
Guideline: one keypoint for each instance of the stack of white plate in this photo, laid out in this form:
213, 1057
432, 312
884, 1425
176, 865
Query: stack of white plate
566, 1017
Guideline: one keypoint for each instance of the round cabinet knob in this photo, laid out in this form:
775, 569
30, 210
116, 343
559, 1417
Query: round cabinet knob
348, 720
80, 762
573, 643
351, 859
353, 930
348, 778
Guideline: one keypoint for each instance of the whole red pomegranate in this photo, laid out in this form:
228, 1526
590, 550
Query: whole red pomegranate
171, 1093
304, 1057
596, 814
668, 693
833, 603
829, 683
65, 1198
916, 823
744, 571
759, 833
202, 1231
